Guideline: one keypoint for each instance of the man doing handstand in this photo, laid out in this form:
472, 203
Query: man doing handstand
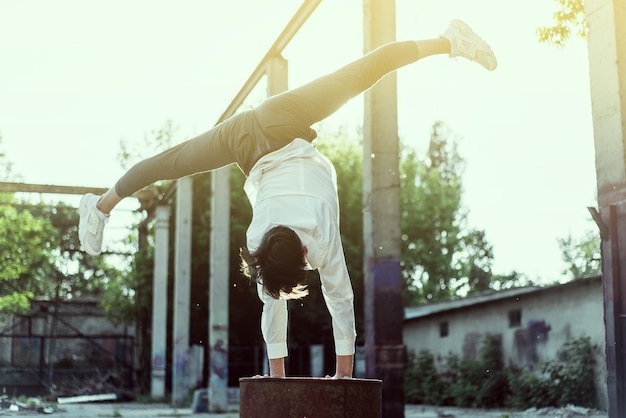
291, 186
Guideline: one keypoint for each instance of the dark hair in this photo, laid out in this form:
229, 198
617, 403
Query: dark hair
278, 264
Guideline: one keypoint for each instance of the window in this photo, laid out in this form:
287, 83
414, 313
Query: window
443, 329
515, 318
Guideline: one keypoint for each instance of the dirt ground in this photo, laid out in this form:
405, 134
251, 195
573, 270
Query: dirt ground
421, 411
138, 410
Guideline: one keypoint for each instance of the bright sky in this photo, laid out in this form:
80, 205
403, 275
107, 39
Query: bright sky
78, 76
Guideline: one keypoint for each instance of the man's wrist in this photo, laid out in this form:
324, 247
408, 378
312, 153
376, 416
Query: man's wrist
277, 367
345, 366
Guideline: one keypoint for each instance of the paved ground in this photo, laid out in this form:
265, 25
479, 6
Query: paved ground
137, 410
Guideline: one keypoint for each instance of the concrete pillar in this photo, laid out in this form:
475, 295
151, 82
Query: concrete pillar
159, 301
196, 365
220, 262
381, 220
607, 55
182, 289
310, 397
277, 75
218, 290
317, 360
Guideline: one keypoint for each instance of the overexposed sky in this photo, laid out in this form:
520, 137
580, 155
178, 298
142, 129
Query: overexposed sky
78, 76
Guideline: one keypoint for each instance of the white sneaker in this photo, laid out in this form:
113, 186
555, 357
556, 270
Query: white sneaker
465, 43
91, 224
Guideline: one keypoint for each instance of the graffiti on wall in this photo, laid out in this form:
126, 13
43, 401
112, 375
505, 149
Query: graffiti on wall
528, 339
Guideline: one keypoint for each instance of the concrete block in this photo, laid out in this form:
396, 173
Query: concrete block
300, 397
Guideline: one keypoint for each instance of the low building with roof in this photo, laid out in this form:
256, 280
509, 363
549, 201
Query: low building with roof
532, 322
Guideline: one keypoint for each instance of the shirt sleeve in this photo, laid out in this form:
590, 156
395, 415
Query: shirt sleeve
339, 296
273, 324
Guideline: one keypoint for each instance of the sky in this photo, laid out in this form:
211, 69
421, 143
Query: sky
79, 76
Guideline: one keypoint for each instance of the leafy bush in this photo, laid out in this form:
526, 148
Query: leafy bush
478, 383
465, 385
422, 381
526, 389
572, 373
487, 383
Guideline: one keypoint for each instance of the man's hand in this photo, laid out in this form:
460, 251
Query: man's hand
277, 367
344, 367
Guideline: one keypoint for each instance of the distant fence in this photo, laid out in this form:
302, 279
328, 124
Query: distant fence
65, 365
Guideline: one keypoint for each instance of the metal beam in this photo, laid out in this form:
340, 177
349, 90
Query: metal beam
48, 188
294, 25
7, 187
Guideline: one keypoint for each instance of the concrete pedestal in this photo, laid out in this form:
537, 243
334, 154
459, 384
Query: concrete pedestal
296, 397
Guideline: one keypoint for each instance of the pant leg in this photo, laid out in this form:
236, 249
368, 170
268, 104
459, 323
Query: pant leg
289, 115
247, 136
205, 152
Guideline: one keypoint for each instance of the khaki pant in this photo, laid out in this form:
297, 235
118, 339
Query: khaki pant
247, 136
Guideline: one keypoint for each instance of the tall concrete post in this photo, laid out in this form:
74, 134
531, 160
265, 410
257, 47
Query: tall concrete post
381, 218
276, 72
607, 70
182, 290
218, 290
159, 301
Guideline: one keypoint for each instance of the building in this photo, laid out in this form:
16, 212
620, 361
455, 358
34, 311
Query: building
533, 323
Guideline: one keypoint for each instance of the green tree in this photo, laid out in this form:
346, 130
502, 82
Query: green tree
509, 281
430, 199
476, 257
21, 268
581, 256
441, 256
40, 252
568, 20
42, 241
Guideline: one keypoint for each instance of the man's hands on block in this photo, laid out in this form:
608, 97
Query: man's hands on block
344, 368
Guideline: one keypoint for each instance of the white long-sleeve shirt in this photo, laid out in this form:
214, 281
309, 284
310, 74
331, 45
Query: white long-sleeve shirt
296, 186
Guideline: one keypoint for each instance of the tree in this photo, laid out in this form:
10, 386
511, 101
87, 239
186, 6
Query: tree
22, 268
42, 257
508, 281
440, 255
568, 20
40, 253
581, 256
476, 257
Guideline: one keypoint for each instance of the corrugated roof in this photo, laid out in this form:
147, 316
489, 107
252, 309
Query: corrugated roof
421, 311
